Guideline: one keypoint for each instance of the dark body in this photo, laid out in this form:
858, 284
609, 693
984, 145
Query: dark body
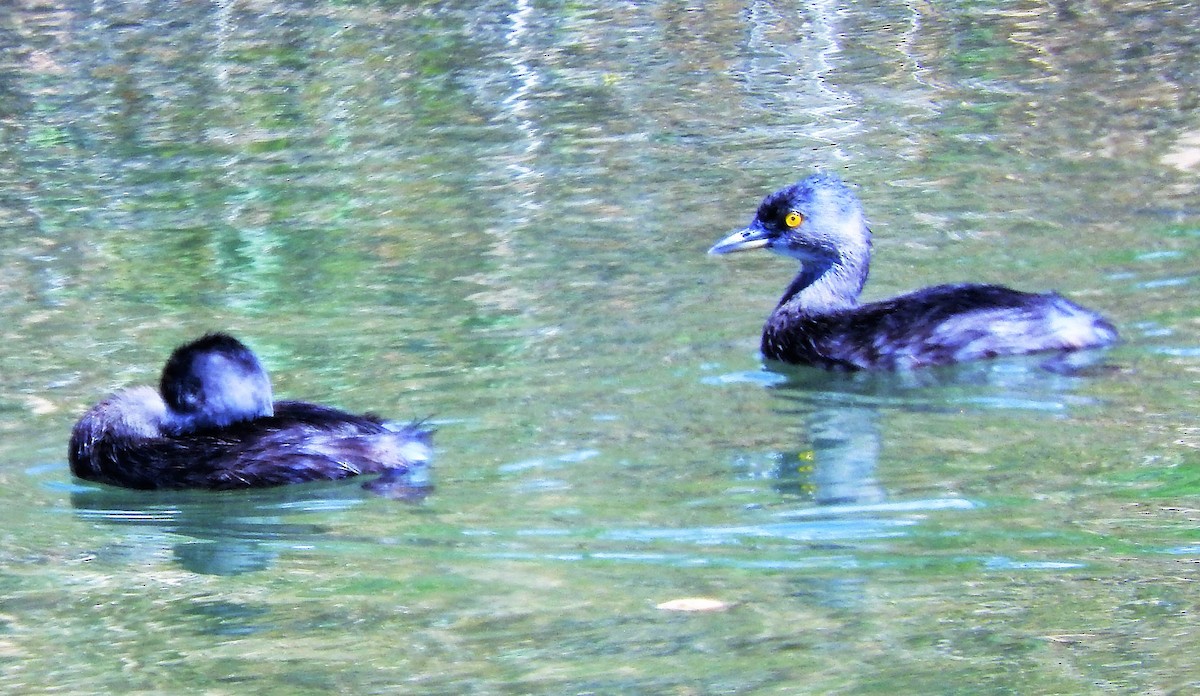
934, 326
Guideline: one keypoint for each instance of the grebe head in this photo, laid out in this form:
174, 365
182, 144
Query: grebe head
214, 381
818, 221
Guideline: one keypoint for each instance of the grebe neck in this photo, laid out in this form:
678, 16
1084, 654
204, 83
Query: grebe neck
825, 286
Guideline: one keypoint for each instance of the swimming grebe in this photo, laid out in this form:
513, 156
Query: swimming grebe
820, 322
213, 424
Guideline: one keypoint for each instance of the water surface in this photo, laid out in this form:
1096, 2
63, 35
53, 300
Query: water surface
495, 216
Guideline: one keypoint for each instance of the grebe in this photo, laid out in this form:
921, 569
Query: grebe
820, 322
213, 424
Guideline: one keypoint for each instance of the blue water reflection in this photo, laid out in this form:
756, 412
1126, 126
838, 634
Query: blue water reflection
226, 533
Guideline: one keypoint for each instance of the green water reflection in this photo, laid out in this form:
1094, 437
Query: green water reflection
495, 216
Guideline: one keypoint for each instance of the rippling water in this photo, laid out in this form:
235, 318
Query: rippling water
495, 216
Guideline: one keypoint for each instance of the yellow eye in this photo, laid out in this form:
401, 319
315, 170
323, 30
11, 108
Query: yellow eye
793, 219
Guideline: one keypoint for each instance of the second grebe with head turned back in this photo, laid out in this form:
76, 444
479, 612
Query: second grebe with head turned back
213, 424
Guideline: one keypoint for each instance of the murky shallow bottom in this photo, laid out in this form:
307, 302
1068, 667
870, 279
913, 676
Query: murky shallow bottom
848, 562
